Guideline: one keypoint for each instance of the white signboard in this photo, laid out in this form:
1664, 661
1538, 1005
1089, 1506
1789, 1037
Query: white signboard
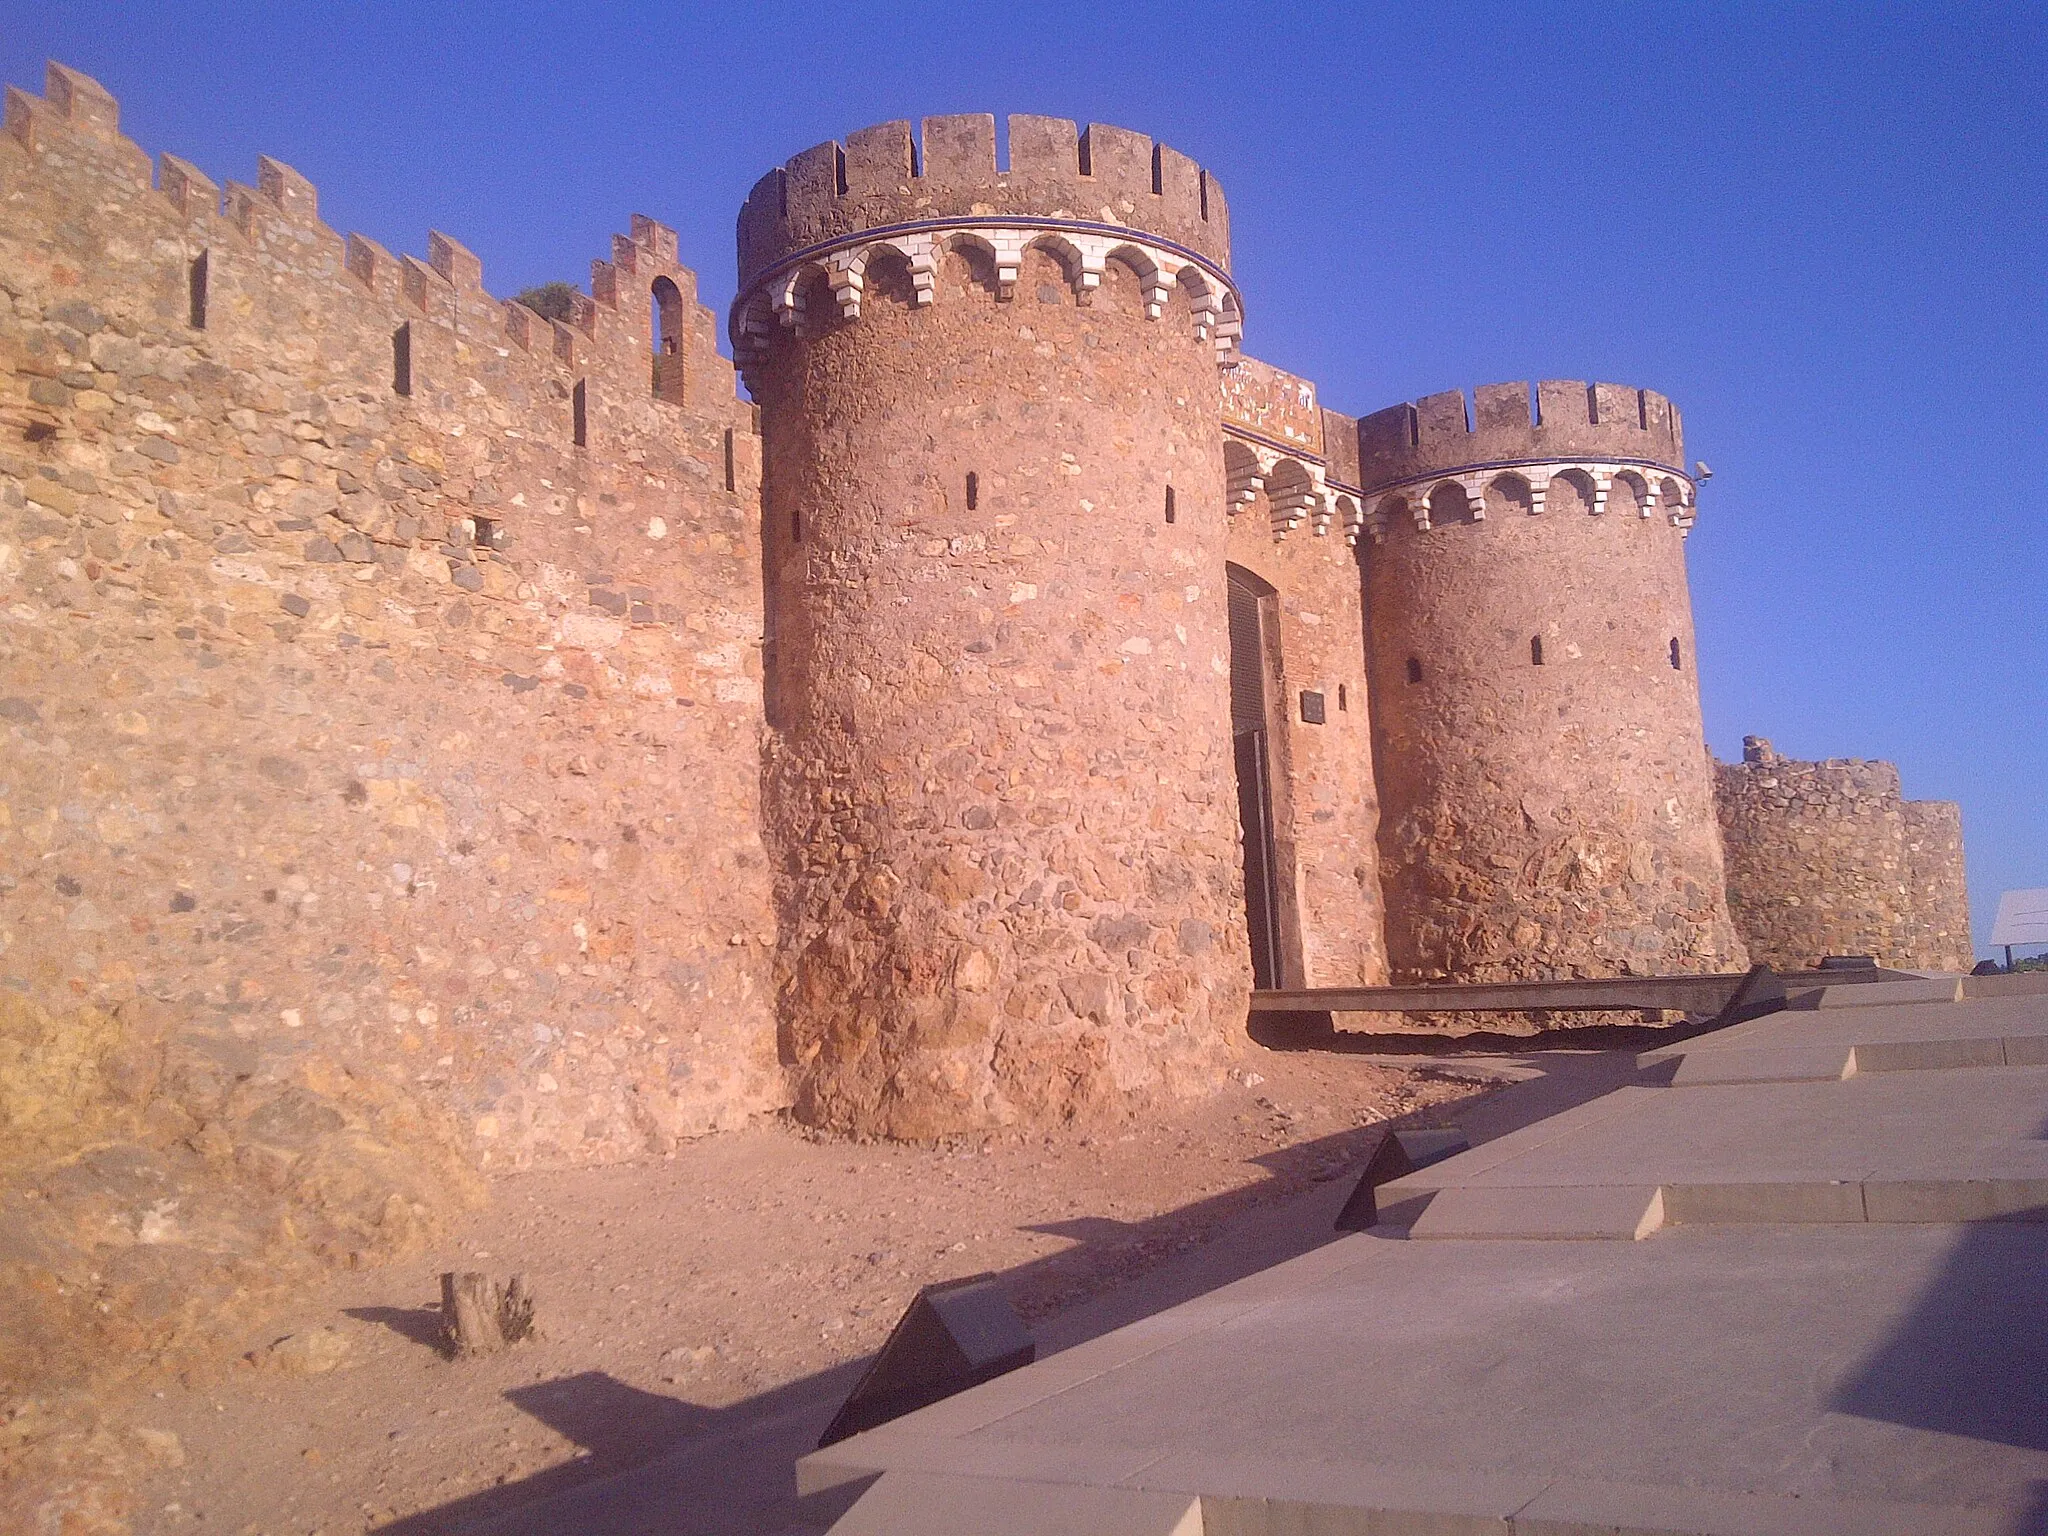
2022, 918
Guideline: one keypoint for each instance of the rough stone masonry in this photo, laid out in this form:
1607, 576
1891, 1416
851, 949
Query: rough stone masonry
500, 710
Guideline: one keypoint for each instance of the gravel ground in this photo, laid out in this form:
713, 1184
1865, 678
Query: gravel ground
683, 1299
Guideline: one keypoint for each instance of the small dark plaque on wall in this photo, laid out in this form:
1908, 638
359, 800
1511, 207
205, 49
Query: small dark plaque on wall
1311, 706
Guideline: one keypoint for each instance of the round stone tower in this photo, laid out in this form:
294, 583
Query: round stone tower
999, 781
1547, 804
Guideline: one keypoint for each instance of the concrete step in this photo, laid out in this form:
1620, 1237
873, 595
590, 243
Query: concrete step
1875, 994
905, 1503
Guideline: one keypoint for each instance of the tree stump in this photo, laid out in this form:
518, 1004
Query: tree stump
480, 1318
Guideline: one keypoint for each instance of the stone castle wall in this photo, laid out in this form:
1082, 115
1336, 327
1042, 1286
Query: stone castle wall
383, 671
433, 737
1939, 936
412, 729
1000, 783
1828, 858
1546, 796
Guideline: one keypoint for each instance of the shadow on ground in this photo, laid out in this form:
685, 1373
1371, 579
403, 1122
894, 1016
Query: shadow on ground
420, 1325
1971, 1358
653, 1464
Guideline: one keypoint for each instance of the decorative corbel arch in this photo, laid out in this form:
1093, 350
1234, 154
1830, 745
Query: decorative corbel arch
1295, 489
1229, 328
1673, 497
1449, 501
1073, 260
1636, 484
964, 240
1243, 478
1509, 491
1203, 298
1349, 517
1390, 508
1290, 494
789, 296
1153, 278
753, 325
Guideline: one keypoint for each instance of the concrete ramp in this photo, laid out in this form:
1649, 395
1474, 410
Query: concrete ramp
1787, 1281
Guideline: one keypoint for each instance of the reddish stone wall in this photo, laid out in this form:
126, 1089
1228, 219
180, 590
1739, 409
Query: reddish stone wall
1328, 851
283, 750
1327, 848
1001, 782
1939, 935
1828, 859
1548, 819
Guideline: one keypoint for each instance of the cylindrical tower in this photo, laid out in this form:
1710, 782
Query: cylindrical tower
1547, 801
999, 779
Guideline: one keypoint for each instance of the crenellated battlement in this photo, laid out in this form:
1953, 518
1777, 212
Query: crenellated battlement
811, 229
280, 213
882, 177
1506, 423
1445, 459
70, 103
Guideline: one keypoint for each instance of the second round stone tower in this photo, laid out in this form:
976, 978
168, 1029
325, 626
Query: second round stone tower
1546, 795
999, 777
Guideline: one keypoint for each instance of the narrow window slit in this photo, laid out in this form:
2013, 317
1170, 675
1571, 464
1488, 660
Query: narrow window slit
730, 481
839, 163
1169, 503
1343, 698
973, 490
579, 413
401, 359
1158, 173
796, 525
1535, 650
197, 281
1202, 180
1677, 664
1414, 669
1087, 159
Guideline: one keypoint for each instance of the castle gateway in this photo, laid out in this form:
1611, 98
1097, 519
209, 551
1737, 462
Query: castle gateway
394, 676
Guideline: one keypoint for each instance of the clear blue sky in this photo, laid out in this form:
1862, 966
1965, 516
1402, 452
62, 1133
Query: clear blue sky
1822, 230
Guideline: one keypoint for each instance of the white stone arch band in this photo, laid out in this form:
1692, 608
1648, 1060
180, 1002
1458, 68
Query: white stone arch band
775, 299
1659, 488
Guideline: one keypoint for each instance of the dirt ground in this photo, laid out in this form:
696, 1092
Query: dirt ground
679, 1295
